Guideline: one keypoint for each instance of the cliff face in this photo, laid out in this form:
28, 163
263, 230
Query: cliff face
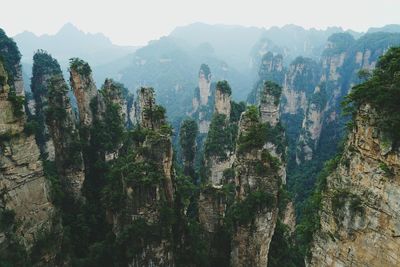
149, 188
257, 182
84, 89
311, 126
218, 163
326, 96
204, 84
360, 209
242, 174
146, 111
203, 101
65, 136
341, 60
44, 67
219, 157
113, 92
24, 188
271, 69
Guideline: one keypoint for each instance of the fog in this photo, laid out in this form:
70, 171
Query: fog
137, 22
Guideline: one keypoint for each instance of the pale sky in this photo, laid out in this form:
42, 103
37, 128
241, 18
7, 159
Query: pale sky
134, 22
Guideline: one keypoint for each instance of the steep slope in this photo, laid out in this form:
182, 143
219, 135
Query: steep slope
257, 188
26, 210
60, 119
44, 67
203, 100
359, 209
242, 173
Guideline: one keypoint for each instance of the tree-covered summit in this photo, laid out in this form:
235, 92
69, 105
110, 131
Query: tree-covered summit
382, 92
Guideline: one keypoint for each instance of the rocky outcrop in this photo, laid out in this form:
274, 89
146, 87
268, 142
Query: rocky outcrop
325, 96
312, 127
61, 122
218, 158
289, 217
360, 210
271, 69
299, 83
146, 110
203, 101
44, 67
257, 183
269, 103
204, 84
222, 101
150, 192
113, 92
341, 61
84, 89
23, 186
217, 164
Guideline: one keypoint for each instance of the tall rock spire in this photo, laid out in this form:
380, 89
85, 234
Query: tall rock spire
84, 89
60, 120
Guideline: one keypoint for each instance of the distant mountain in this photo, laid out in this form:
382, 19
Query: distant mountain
171, 63
69, 42
241, 46
171, 66
393, 28
231, 43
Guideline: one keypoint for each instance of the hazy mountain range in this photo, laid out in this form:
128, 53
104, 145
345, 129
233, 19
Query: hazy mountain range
171, 63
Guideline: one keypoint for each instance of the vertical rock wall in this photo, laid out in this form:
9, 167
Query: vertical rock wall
360, 207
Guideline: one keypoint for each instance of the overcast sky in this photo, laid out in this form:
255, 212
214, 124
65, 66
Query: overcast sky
133, 22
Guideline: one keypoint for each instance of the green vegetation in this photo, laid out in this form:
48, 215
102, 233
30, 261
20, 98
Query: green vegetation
243, 212
259, 133
221, 137
43, 64
236, 111
273, 89
224, 87
229, 174
319, 98
388, 172
340, 42
59, 120
56, 93
283, 251
340, 199
31, 127
7, 219
309, 221
206, 70
44, 67
80, 66
7, 136
155, 113
254, 137
57, 195
382, 92
10, 56
17, 102
188, 133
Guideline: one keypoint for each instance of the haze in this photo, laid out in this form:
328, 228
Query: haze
137, 22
